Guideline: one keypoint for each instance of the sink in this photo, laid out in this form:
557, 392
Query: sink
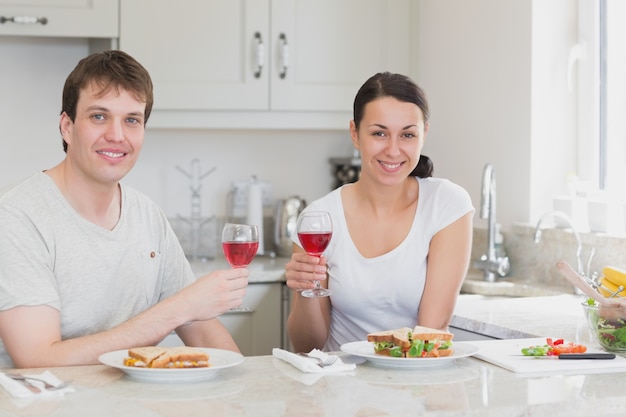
507, 288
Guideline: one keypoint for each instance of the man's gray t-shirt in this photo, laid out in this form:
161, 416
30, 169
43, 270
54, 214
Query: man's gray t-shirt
96, 278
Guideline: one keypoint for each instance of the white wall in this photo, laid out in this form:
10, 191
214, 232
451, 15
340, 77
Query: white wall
494, 72
32, 73
294, 162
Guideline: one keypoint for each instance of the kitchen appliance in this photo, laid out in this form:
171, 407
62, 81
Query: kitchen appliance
254, 213
346, 170
287, 212
247, 201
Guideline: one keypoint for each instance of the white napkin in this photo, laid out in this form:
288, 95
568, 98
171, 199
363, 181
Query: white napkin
17, 389
309, 365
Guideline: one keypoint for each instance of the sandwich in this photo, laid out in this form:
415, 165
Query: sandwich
417, 342
166, 357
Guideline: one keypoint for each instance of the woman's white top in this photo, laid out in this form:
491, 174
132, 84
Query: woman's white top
384, 292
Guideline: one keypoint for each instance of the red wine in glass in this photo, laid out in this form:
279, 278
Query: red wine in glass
240, 243
240, 254
315, 229
314, 243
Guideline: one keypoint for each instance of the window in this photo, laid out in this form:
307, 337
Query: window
600, 59
612, 96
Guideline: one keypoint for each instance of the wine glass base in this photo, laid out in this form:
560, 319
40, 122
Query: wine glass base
316, 293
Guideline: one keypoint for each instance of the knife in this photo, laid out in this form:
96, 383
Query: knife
587, 356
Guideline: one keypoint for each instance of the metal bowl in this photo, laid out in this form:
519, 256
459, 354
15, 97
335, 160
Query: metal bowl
608, 325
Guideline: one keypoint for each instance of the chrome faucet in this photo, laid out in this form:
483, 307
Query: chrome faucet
585, 273
490, 263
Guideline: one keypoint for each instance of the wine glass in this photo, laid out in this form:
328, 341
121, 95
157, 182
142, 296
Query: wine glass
240, 243
315, 229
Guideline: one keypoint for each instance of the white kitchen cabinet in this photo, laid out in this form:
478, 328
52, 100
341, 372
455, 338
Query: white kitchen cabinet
60, 18
257, 326
263, 63
199, 52
333, 47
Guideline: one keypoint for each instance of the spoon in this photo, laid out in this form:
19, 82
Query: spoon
579, 282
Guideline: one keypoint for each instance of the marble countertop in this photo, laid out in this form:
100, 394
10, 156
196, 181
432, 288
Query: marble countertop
559, 316
265, 386
262, 269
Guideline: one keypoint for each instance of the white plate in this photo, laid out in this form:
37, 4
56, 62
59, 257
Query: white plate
365, 350
218, 359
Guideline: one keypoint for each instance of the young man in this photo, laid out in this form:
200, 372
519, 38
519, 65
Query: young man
88, 265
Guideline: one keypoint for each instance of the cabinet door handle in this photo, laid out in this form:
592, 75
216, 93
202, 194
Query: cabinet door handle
24, 20
259, 57
284, 56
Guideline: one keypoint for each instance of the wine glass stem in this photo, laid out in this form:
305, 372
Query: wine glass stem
318, 285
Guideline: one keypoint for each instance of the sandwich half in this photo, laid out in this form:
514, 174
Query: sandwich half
418, 342
166, 357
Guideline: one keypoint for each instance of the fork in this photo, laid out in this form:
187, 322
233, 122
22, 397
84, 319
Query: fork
330, 359
25, 380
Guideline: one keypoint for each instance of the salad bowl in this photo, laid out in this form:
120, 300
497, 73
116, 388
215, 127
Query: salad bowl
607, 324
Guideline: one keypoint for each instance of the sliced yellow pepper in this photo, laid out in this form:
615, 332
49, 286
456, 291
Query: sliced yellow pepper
614, 274
608, 288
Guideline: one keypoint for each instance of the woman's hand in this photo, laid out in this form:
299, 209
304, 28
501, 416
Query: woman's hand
303, 269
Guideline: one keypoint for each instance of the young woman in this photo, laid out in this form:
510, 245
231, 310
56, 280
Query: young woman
401, 239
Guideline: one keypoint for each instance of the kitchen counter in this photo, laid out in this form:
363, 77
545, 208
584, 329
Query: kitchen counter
558, 316
262, 268
264, 386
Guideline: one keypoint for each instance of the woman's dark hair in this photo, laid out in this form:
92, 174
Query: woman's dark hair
107, 70
402, 88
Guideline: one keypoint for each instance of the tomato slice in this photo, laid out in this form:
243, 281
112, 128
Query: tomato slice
559, 346
569, 348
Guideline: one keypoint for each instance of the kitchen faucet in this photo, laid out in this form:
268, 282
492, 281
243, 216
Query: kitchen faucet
579, 247
490, 263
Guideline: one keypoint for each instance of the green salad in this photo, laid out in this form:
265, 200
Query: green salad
611, 333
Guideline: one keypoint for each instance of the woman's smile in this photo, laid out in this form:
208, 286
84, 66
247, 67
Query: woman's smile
390, 166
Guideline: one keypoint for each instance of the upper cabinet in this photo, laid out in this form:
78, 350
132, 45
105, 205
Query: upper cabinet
60, 18
263, 63
201, 54
323, 50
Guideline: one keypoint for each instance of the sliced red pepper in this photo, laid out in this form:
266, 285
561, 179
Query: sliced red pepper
552, 342
558, 346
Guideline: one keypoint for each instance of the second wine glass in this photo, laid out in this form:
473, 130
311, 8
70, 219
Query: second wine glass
240, 243
315, 229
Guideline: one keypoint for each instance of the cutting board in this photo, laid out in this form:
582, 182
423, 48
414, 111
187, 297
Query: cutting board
507, 354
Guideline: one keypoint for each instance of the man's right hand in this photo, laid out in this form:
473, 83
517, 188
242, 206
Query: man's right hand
215, 293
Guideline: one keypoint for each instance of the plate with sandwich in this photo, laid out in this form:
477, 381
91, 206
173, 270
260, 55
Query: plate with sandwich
171, 364
405, 347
